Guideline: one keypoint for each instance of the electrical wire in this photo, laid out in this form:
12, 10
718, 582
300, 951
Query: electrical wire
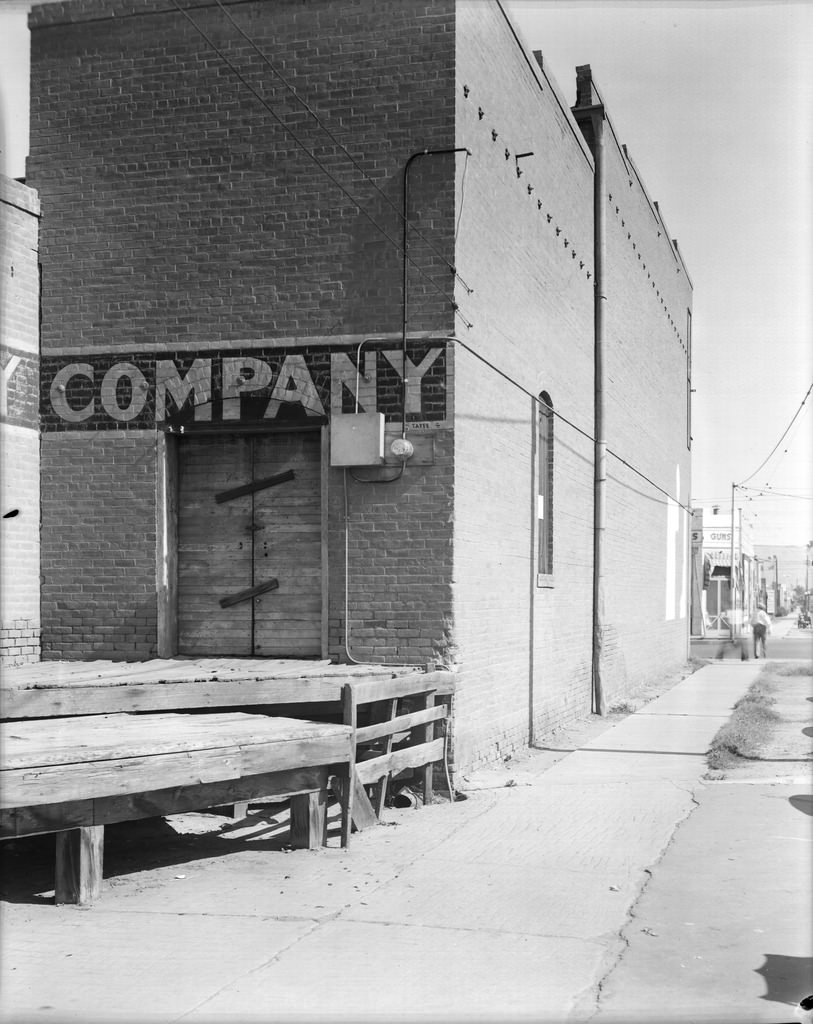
341, 145
564, 419
782, 438
462, 198
406, 256
286, 128
762, 493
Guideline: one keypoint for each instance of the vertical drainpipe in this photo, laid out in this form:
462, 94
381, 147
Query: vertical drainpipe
600, 457
589, 114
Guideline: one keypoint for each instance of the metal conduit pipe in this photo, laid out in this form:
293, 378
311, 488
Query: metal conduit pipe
405, 383
405, 258
600, 444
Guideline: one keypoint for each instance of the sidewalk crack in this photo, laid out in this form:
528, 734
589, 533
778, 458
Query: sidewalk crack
622, 942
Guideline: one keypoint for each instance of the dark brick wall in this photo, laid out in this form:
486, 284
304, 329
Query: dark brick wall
182, 222
98, 590
209, 221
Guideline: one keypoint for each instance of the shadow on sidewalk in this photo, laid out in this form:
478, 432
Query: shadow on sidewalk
27, 865
786, 977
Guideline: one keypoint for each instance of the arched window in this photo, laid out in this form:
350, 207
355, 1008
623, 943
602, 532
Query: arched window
544, 508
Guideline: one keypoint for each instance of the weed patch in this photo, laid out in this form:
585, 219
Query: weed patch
749, 727
787, 669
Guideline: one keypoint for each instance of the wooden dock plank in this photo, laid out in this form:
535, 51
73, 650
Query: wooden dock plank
24, 821
409, 757
93, 699
37, 743
22, 787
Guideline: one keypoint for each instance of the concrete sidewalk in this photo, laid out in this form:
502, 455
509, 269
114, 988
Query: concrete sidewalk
509, 905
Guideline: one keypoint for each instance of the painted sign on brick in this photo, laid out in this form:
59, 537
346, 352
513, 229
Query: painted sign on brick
178, 389
18, 387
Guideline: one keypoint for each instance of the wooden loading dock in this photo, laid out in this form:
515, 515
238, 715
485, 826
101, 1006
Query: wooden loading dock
87, 744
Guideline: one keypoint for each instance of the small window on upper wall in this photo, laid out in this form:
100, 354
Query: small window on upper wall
544, 506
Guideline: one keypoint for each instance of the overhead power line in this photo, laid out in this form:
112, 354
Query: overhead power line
782, 438
242, 79
304, 103
458, 311
762, 492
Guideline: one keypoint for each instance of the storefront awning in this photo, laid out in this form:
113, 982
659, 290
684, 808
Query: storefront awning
716, 558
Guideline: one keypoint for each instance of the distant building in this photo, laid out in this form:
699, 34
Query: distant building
19, 424
711, 571
224, 284
783, 568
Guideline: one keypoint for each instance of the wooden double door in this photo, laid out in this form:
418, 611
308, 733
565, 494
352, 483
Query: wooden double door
250, 545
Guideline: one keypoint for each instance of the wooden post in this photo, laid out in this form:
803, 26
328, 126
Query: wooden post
348, 788
79, 858
428, 736
383, 711
309, 820
239, 810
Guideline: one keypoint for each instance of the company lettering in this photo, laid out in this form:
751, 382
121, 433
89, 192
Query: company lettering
98, 392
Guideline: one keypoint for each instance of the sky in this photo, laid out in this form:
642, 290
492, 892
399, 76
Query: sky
714, 100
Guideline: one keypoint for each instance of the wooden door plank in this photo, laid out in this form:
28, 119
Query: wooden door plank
214, 546
254, 486
249, 593
288, 542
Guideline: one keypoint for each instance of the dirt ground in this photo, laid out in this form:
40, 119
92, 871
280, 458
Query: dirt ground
788, 747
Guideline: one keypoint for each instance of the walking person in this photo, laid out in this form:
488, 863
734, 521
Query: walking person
761, 627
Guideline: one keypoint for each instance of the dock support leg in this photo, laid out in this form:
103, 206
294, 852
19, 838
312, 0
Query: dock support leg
309, 820
79, 860
428, 770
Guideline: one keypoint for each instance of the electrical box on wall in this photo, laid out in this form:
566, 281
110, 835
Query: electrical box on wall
357, 439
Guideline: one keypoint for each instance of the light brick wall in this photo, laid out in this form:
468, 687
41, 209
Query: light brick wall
647, 541
524, 649
19, 439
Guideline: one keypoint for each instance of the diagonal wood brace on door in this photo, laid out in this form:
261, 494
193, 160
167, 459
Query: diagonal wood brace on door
246, 595
254, 486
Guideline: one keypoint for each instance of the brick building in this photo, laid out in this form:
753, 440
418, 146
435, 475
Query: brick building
228, 278
19, 424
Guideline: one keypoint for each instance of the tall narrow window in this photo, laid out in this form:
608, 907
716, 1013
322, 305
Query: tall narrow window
544, 509
688, 378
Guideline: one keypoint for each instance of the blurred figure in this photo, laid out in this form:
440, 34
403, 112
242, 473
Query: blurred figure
761, 627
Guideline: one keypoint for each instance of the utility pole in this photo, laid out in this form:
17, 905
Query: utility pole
732, 576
